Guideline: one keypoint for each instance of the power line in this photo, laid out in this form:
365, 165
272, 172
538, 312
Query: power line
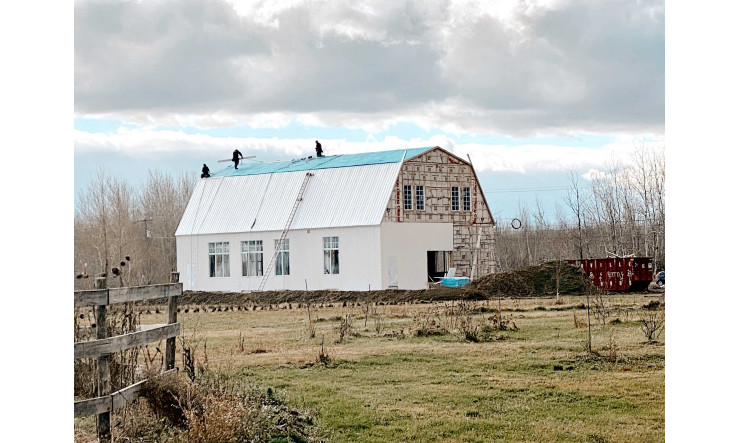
548, 189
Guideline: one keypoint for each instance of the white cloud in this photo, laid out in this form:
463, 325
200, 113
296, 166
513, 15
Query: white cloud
466, 66
145, 142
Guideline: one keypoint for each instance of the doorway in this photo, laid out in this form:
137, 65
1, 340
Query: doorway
438, 264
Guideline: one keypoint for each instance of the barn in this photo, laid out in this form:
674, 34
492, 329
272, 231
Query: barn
392, 219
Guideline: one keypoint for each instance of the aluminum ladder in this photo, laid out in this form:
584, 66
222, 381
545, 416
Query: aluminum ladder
278, 246
493, 252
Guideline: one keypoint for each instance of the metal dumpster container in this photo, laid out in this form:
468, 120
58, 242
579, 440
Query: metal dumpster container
617, 273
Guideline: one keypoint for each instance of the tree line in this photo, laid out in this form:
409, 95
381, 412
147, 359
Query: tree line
127, 232
618, 212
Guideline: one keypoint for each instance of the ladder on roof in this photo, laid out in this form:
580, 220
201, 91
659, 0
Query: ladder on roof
280, 242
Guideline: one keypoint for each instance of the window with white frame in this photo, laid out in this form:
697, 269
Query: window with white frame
454, 198
282, 266
330, 255
252, 258
219, 262
467, 199
420, 198
407, 196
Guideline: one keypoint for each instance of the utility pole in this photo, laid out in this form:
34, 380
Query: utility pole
146, 227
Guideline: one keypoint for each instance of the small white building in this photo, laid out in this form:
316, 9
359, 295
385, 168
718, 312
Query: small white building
392, 219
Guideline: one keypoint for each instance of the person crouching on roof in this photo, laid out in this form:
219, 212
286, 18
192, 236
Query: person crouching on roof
205, 171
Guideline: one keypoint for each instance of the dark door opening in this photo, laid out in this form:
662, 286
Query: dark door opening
438, 264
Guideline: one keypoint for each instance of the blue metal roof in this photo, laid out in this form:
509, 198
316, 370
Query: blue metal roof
327, 162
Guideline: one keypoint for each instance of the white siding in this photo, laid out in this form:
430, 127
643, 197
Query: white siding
404, 251
359, 260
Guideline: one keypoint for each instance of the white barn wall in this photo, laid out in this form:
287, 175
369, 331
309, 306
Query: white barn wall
359, 260
407, 244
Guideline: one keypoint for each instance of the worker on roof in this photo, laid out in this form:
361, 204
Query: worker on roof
318, 148
205, 171
236, 157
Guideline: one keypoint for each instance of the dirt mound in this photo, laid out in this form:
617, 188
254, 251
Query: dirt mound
277, 297
534, 281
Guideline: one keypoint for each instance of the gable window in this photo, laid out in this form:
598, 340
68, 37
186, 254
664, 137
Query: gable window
330, 255
219, 263
407, 196
252, 258
454, 198
467, 199
420, 198
282, 266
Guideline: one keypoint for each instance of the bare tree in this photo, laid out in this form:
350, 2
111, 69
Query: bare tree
92, 220
619, 211
117, 226
575, 202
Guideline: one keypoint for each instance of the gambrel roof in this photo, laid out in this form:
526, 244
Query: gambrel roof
345, 190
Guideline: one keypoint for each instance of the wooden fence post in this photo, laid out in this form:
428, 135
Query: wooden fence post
103, 366
172, 313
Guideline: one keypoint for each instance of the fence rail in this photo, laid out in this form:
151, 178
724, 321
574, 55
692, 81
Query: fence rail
111, 345
103, 347
116, 400
112, 296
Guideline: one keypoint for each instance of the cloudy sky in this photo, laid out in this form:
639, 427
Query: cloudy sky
530, 90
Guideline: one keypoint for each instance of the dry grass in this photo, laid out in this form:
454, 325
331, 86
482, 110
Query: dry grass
536, 383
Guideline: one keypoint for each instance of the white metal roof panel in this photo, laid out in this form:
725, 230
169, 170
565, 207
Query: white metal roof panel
347, 196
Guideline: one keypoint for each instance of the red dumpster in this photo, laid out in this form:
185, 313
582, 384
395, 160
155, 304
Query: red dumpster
617, 273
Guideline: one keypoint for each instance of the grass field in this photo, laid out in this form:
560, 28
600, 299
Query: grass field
383, 382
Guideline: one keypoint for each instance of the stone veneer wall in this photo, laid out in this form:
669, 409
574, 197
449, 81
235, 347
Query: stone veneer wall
438, 171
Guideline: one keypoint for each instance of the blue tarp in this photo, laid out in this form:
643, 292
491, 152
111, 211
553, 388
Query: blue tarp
454, 281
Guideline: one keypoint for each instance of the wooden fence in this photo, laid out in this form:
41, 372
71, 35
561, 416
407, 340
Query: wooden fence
105, 346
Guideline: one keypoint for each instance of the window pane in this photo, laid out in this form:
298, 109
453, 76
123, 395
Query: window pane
212, 266
282, 266
334, 262
326, 262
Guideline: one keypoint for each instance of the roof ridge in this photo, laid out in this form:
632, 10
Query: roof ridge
325, 162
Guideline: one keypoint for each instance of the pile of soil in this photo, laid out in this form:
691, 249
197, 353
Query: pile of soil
386, 296
534, 281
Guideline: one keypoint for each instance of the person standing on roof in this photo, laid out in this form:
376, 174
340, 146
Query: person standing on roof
236, 157
205, 171
318, 149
